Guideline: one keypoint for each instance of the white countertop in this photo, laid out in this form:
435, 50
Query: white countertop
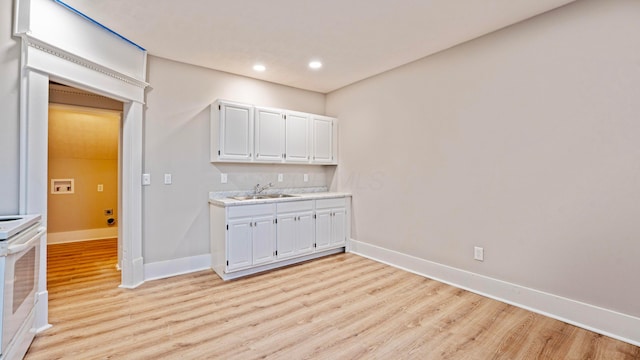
215, 198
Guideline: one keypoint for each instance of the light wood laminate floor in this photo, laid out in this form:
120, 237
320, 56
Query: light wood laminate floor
339, 307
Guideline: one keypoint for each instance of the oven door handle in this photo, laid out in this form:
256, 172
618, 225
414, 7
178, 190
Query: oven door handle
16, 248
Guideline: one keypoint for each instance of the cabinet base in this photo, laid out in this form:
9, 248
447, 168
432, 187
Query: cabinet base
262, 268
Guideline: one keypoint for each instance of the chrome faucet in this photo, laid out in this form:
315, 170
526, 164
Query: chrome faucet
258, 189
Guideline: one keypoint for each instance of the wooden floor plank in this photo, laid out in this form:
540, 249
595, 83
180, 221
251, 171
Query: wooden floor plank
339, 307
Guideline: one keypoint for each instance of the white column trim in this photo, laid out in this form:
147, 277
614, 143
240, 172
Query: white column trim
41, 62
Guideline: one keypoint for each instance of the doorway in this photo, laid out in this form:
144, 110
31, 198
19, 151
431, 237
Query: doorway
84, 165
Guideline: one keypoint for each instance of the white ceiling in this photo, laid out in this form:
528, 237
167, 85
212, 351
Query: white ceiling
355, 39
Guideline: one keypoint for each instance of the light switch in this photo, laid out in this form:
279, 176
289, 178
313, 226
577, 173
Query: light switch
223, 178
167, 179
146, 179
306, 177
280, 177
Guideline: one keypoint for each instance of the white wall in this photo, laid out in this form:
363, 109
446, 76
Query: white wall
9, 106
176, 133
524, 142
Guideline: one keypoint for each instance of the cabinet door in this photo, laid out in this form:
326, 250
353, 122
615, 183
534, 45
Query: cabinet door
236, 132
338, 227
305, 235
239, 243
286, 235
297, 137
269, 135
264, 239
323, 229
322, 140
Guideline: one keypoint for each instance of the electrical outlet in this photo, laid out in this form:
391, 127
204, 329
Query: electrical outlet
478, 253
280, 177
100, 188
167, 179
306, 177
146, 179
223, 178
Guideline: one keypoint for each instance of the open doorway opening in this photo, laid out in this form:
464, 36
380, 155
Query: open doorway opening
84, 147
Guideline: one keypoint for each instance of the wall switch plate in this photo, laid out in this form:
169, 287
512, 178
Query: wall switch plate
305, 177
478, 253
100, 187
223, 178
280, 177
146, 179
167, 179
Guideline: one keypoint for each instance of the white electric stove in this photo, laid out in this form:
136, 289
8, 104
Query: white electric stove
20, 237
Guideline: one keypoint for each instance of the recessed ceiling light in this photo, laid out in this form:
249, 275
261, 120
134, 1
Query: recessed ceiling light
315, 64
259, 67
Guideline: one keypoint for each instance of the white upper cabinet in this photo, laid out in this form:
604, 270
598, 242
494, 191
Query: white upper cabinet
324, 139
269, 135
231, 132
248, 133
298, 132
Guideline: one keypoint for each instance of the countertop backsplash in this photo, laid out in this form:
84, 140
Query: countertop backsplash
304, 190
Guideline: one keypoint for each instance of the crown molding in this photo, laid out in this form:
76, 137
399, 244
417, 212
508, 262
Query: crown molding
43, 46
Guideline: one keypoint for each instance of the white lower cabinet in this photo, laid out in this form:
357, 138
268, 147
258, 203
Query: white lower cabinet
330, 223
295, 229
246, 239
251, 236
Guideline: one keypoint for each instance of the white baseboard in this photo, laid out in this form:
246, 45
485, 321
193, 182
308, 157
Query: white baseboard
603, 321
165, 269
42, 311
82, 235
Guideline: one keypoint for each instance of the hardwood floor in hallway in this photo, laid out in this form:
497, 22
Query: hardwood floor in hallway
339, 307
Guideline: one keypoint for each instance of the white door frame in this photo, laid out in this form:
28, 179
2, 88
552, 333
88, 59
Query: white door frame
41, 62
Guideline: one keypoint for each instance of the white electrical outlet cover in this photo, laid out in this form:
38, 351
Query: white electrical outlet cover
280, 177
146, 179
306, 177
223, 178
167, 179
478, 253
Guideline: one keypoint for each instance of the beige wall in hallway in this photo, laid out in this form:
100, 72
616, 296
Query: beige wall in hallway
83, 145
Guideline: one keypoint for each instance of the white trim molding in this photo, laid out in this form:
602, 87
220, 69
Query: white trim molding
603, 321
185, 265
60, 51
64, 55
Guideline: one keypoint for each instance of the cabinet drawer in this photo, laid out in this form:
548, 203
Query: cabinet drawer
294, 206
251, 210
331, 203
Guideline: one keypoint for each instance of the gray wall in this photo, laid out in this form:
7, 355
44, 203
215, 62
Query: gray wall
9, 118
176, 136
524, 142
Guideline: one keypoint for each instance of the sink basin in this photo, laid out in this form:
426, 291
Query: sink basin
277, 196
261, 196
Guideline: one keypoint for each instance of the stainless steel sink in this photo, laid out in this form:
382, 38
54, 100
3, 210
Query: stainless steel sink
277, 196
261, 196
